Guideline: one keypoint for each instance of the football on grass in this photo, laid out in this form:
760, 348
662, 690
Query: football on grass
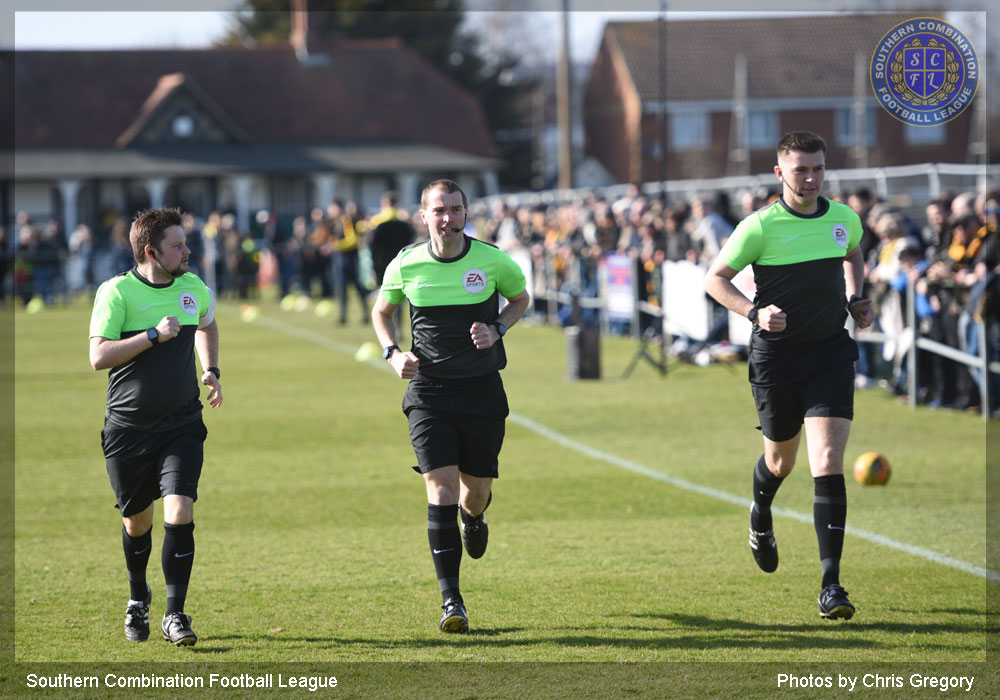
872, 468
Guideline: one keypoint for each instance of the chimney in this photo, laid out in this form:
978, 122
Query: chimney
304, 37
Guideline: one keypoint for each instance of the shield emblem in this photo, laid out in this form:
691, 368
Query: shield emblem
924, 69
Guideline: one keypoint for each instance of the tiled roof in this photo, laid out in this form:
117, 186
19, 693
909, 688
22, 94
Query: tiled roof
369, 92
787, 57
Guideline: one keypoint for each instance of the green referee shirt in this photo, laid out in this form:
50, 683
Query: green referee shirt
446, 297
158, 389
798, 265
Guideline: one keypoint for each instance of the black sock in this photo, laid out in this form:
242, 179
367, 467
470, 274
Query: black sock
445, 540
765, 485
829, 517
137, 551
177, 558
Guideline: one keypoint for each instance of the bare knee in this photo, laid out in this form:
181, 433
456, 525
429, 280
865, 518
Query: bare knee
138, 524
178, 510
780, 463
442, 486
827, 461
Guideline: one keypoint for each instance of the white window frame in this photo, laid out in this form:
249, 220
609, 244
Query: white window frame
844, 122
934, 135
690, 130
762, 128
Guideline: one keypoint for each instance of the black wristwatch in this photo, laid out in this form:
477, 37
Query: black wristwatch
388, 350
216, 371
501, 329
752, 314
852, 301
153, 335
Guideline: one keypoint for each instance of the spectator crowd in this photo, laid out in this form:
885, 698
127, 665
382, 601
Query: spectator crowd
949, 252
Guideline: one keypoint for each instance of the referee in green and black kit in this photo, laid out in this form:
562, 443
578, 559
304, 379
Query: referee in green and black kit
455, 402
808, 270
146, 325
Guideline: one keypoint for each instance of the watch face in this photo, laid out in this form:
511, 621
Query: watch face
387, 352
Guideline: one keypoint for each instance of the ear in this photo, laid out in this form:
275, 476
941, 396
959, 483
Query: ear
777, 173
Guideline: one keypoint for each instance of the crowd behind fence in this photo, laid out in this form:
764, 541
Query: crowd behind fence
626, 260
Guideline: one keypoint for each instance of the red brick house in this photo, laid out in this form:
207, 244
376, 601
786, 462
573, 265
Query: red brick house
237, 128
801, 73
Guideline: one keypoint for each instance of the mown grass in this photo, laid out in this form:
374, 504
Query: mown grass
311, 541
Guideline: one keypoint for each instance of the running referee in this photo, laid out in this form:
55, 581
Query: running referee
146, 325
455, 401
809, 272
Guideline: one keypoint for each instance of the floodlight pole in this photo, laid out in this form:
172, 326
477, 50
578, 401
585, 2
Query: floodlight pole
661, 45
564, 104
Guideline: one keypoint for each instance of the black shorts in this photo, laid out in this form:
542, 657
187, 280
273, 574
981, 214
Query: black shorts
781, 408
440, 439
145, 465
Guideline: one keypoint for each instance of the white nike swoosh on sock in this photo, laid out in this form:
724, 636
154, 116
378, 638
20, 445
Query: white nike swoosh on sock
442, 551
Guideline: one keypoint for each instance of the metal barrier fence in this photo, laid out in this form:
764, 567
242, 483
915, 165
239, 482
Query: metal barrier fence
574, 294
907, 186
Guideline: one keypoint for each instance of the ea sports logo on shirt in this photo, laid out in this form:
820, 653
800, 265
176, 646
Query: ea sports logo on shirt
474, 280
839, 233
189, 304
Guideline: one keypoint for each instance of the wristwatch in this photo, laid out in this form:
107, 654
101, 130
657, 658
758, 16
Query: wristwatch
752, 314
153, 335
216, 371
501, 329
388, 350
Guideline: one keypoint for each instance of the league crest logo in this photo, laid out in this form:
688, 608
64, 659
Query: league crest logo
925, 72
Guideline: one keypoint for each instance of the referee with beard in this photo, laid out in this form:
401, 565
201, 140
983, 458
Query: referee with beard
145, 328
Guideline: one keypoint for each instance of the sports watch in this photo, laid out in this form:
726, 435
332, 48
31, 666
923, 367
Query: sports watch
752, 314
153, 335
388, 350
216, 371
501, 329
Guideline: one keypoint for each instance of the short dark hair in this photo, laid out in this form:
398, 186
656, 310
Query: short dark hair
148, 227
448, 186
804, 141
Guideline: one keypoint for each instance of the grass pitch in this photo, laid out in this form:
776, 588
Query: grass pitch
311, 540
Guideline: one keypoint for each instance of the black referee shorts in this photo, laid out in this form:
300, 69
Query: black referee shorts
782, 408
441, 438
143, 466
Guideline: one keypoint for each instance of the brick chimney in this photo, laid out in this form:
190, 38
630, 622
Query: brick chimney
304, 37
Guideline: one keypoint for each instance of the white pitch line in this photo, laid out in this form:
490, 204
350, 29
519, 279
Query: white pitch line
743, 502
637, 468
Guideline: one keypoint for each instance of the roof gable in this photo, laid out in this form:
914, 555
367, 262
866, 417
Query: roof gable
178, 111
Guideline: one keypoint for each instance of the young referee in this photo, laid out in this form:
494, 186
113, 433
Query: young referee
809, 272
455, 401
145, 328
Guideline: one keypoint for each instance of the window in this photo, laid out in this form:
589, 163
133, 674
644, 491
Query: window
689, 131
762, 128
844, 124
935, 135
